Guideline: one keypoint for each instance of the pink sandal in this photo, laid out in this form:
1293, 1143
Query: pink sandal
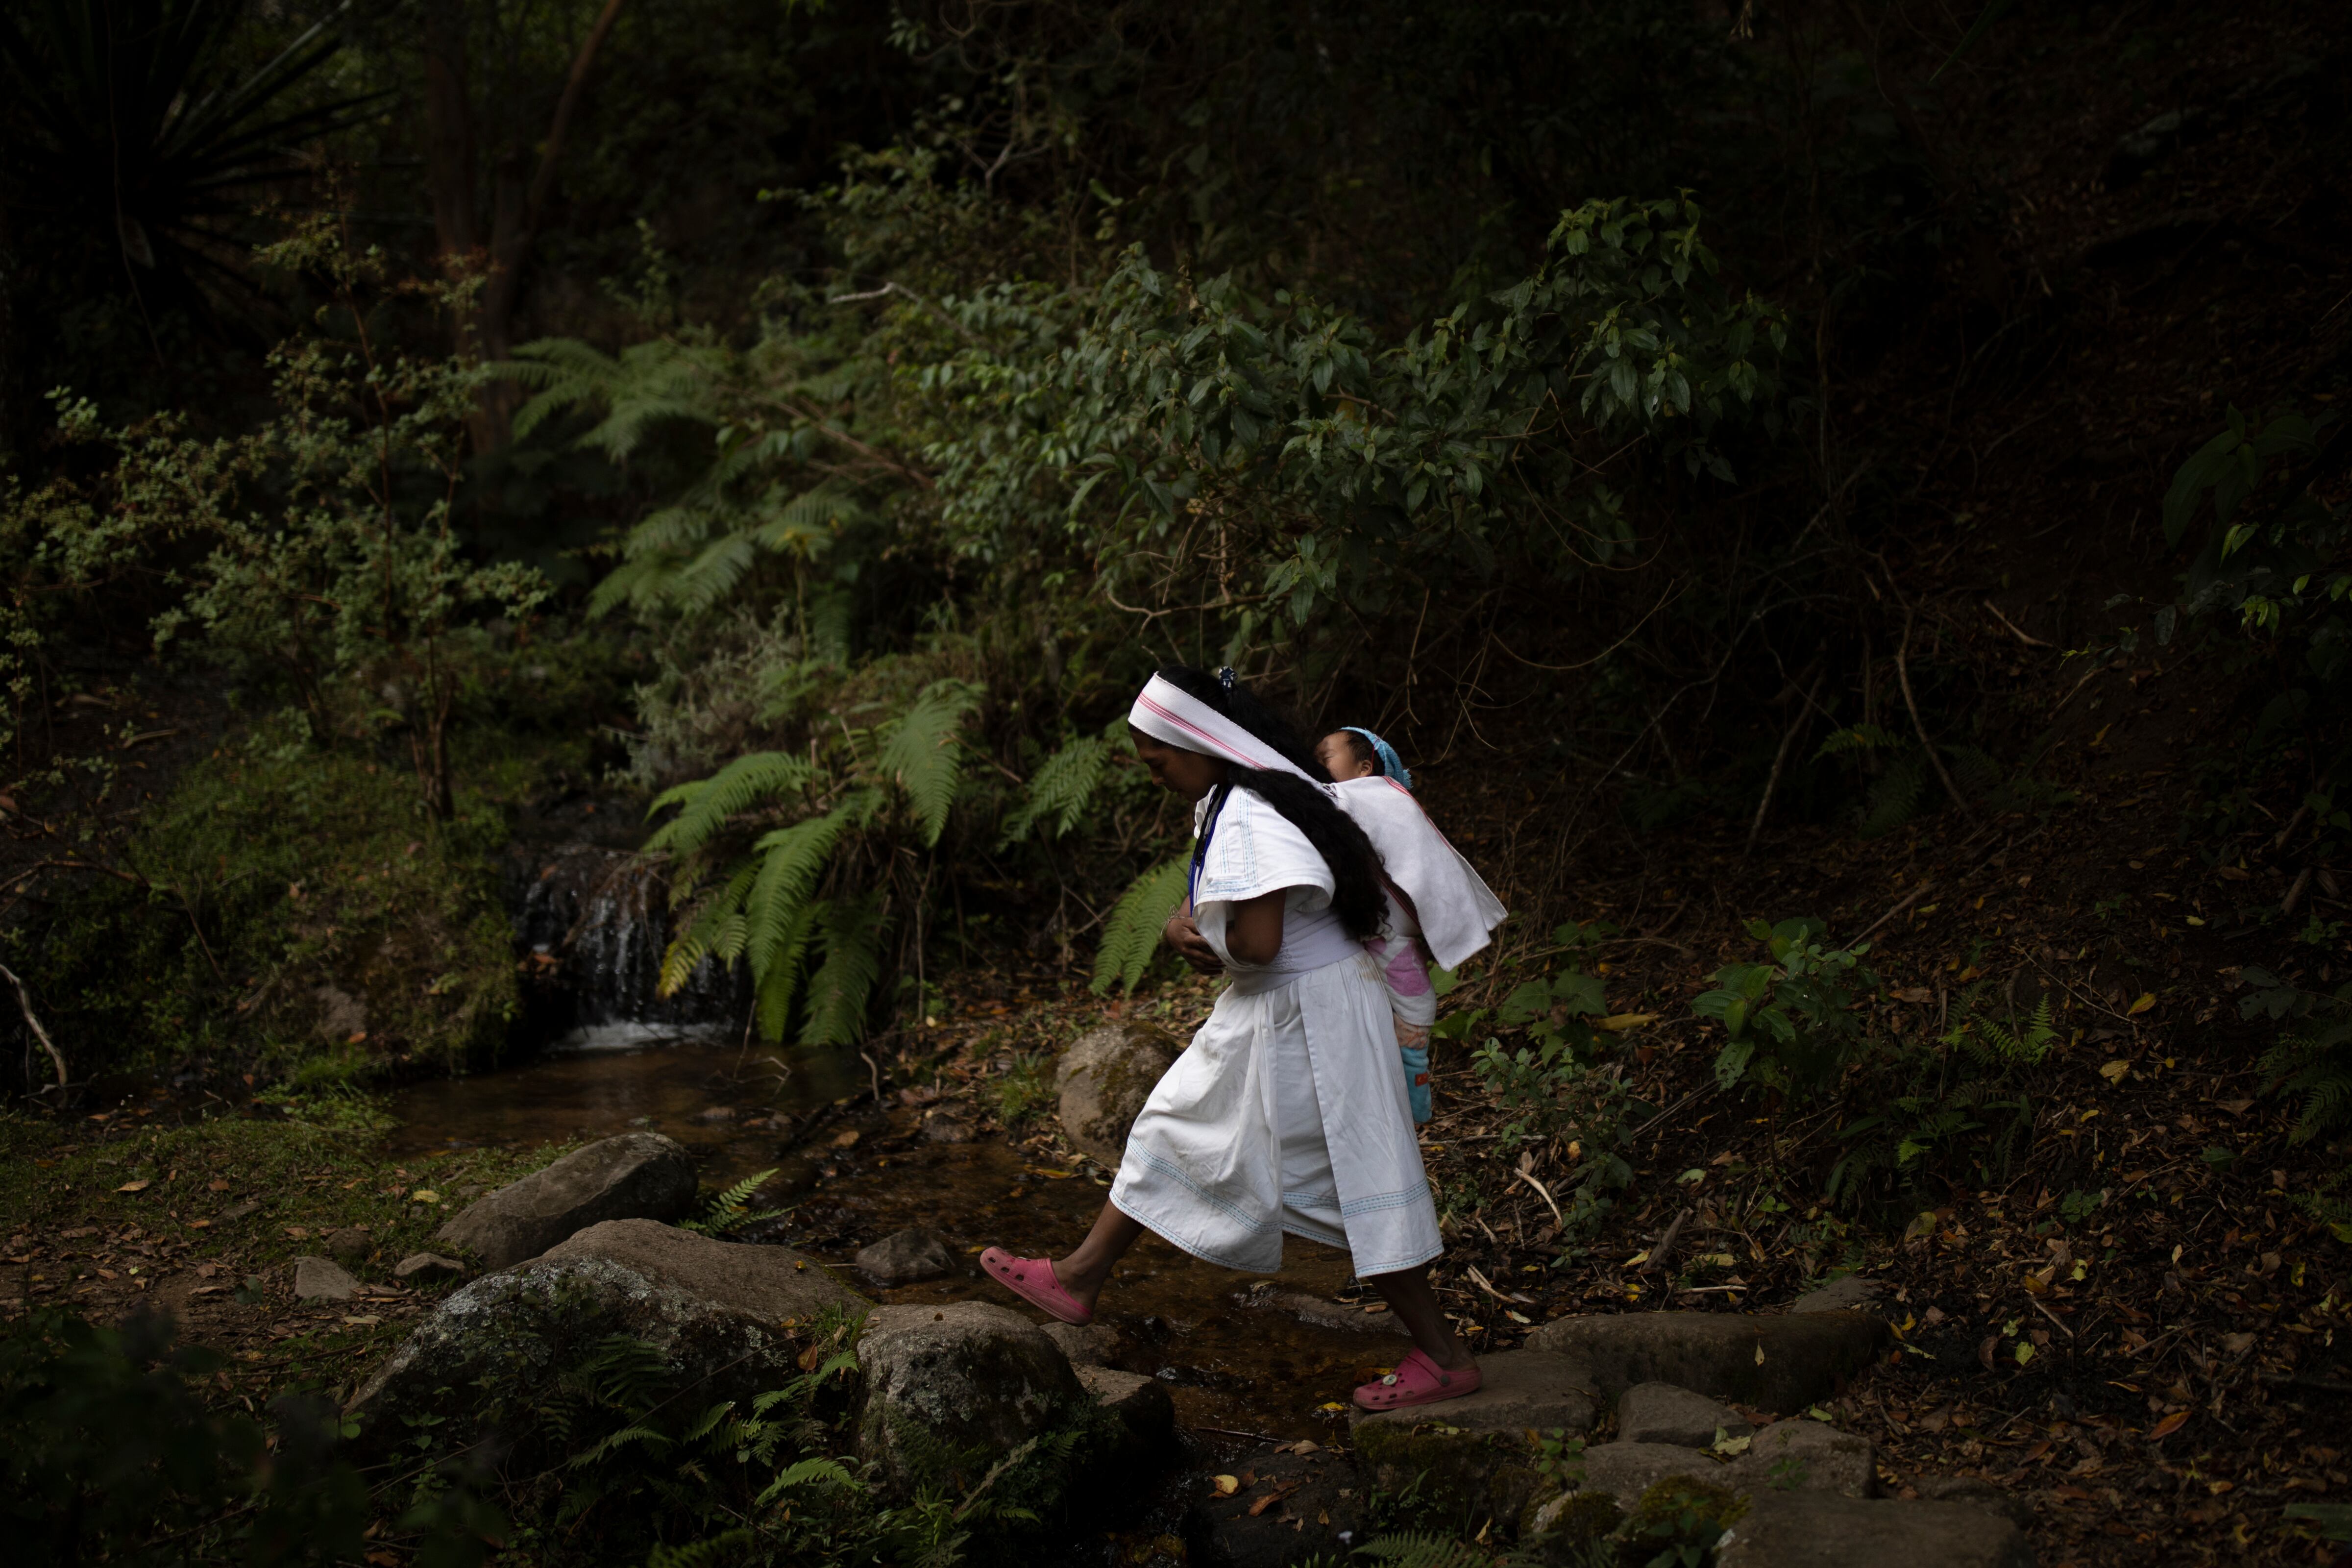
1032, 1279
1417, 1380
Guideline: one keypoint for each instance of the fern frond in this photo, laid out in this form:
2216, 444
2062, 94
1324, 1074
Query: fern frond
801, 1473
1132, 931
925, 752
1419, 1550
1857, 738
839, 990
737, 786
711, 1550
1894, 799
791, 859
779, 983
1060, 790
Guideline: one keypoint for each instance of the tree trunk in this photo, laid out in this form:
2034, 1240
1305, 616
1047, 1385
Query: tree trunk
449, 128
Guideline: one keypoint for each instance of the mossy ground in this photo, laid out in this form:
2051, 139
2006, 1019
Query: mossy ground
222, 1205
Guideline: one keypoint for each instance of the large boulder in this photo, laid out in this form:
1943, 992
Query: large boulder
636, 1175
770, 1285
1824, 1530
481, 1367
951, 1389
1146, 1415
1776, 1363
1104, 1079
1518, 1391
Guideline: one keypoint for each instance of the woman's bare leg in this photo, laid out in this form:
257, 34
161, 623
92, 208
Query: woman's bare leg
1082, 1272
1408, 1293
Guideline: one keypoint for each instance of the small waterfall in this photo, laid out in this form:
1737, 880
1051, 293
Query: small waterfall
591, 925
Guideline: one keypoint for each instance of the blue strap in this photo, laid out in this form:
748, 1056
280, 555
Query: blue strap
1391, 765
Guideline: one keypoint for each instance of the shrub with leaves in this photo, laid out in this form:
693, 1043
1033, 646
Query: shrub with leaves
1789, 1024
2313, 1059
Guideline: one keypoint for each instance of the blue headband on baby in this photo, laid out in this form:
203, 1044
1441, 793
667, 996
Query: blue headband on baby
1391, 765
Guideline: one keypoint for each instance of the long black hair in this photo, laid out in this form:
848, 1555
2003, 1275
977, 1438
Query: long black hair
1355, 866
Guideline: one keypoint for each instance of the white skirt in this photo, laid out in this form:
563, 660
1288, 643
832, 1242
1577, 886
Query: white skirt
1288, 1112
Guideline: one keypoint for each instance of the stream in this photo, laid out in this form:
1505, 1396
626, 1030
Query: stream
1271, 1355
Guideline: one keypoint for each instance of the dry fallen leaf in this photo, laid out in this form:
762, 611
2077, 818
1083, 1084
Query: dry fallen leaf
843, 1140
2168, 1426
140, 1185
1915, 994
2114, 1070
1226, 1485
2146, 1000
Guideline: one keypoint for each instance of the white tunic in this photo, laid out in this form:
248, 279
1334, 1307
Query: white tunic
1288, 1112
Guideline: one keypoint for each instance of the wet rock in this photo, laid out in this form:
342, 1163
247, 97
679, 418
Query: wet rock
1142, 1403
350, 1243
1325, 1314
1852, 1293
1626, 1471
1780, 1364
1661, 1413
317, 1280
636, 1175
1105, 1078
1297, 1507
1823, 1530
1092, 1344
907, 1257
945, 1126
961, 1378
424, 1268
1519, 1391
1805, 1456
772, 1284
1977, 1493
1570, 1519
482, 1364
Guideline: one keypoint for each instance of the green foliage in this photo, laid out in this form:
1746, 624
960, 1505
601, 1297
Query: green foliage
1553, 1084
1679, 1521
325, 555
1789, 1024
277, 886
726, 1211
1131, 935
924, 755
2314, 1060
1062, 786
1424, 1550
107, 1452
1025, 1088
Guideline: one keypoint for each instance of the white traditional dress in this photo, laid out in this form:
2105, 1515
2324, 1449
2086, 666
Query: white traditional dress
1288, 1112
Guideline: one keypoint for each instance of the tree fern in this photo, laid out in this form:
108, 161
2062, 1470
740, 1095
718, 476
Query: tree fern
1132, 931
1059, 792
925, 752
838, 992
707, 804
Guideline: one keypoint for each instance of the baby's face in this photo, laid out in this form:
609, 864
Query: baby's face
1338, 755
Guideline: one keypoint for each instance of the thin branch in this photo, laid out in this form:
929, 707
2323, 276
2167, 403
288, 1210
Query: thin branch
1903, 675
1780, 759
25, 1002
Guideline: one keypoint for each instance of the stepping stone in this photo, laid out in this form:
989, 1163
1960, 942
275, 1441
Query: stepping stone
1519, 1391
1089, 1344
1780, 1364
948, 1389
637, 1176
1823, 1530
907, 1257
1626, 1471
1661, 1413
1805, 1456
774, 1284
1325, 1314
1142, 1402
1851, 1294
317, 1280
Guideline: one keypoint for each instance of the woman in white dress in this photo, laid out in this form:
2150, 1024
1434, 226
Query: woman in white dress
1289, 1113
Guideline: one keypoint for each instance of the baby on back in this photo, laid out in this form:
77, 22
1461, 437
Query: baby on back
1349, 754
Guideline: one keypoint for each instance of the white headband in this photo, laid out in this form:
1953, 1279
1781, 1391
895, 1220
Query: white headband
1166, 713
